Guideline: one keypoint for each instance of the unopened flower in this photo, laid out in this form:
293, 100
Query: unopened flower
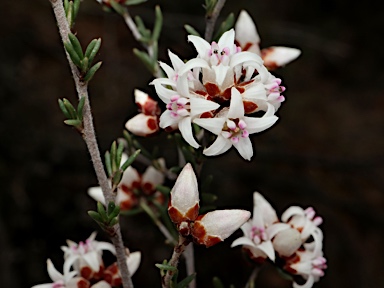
249, 40
183, 209
233, 128
86, 257
112, 275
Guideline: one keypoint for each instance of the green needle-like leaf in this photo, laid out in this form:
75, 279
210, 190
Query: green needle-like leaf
95, 216
191, 30
80, 108
71, 110
185, 282
114, 212
101, 210
119, 153
130, 160
66, 4
118, 174
111, 206
94, 50
90, 47
73, 122
225, 26
108, 163
91, 72
134, 2
72, 53
76, 45
158, 24
84, 65
70, 14
166, 267
113, 157
64, 109
76, 6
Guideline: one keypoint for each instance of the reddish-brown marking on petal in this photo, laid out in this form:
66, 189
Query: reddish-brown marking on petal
175, 215
136, 184
271, 65
245, 83
198, 231
152, 124
247, 46
125, 188
86, 272
253, 258
206, 115
82, 283
211, 240
148, 188
200, 92
117, 282
227, 93
192, 213
240, 89
99, 275
212, 89
113, 268
249, 107
108, 278
127, 205
150, 107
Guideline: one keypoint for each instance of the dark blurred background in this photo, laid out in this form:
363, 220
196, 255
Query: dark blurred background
326, 150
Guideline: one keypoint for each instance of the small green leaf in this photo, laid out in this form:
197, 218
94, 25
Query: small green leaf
91, 72
84, 65
119, 153
225, 26
94, 50
101, 210
141, 27
117, 7
117, 177
72, 53
113, 222
90, 47
130, 160
73, 122
114, 212
166, 267
66, 4
163, 189
158, 23
185, 282
63, 109
217, 283
71, 110
108, 163
134, 2
76, 45
76, 6
144, 57
191, 30
95, 216
70, 14
209, 6
113, 157
110, 208
80, 108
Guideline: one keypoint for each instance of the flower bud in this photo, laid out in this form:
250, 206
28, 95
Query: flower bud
184, 200
215, 226
286, 242
275, 57
146, 104
142, 125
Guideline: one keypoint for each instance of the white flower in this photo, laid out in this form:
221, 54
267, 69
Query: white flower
259, 231
233, 128
249, 40
86, 257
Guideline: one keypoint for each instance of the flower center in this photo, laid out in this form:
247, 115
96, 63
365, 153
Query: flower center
234, 129
82, 248
178, 106
218, 56
258, 235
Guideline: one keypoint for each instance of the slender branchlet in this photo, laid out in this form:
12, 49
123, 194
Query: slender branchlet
211, 20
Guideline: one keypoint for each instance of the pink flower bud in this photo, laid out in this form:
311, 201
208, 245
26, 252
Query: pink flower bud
143, 125
184, 200
214, 227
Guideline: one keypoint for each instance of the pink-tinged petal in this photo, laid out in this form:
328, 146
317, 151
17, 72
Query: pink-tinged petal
245, 241
255, 125
184, 204
246, 33
193, 63
287, 241
214, 125
227, 40
177, 63
185, 127
167, 69
52, 272
43, 286
164, 94
244, 147
249, 57
214, 227
166, 119
130, 177
142, 125
236, 107
101, 245
267, 248
133, 262
263, 213
279, 56
92, 258
218, 147
97, 194
200, 44
200, 105
101, 284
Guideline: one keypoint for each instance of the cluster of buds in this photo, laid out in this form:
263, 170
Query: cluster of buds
295, 243
88, 266
134, 185
145, 123
183, 209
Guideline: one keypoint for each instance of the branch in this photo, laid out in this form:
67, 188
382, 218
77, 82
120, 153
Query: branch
210, 20
90, 140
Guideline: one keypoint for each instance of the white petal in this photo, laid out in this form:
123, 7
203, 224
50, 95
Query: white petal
227, 40
214, 125
222, 223
287, 241
92, 258
52, 272
236, 107
200, 44
43, 286
167, 69
246, 31
245, 56
200, 105
308, 284
167, 120
291, 211
177, 63
182, 85
129, 176
263, 213
68, 263
193, 63
255, 125
185, 127
97, 194
276, 228
244, 147
218, 147
267, 248
133, 262
221, 73
185, 193
105, 246
279, 56
142, 125
164, 93
101, 284
243, 241
152, 176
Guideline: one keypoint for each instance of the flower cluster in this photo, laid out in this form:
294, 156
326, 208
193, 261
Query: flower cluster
134, 185
295, 243
88, 267
183, 209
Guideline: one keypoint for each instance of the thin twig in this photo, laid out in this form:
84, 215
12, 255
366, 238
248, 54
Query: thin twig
210, 20
252, 277
174, 261
90, 140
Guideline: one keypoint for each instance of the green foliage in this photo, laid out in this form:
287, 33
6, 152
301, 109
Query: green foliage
106, 218
226, 25
71, 9
74, 116
191, 30
209, 6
